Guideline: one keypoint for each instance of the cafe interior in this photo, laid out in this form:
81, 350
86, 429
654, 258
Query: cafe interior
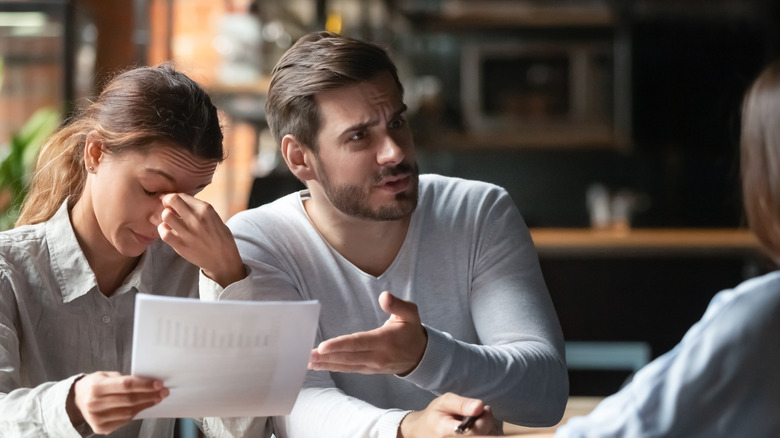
613, 124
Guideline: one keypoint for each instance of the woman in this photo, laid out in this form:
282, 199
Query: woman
723, 378
111, 213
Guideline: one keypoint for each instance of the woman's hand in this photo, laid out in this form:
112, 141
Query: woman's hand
108, 400
444, 414
195, 231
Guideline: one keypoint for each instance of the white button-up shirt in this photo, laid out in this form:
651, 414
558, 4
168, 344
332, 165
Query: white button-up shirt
55, 325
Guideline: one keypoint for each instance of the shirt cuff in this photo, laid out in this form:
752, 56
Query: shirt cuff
210, 290
58, 423
390, 422
257, 427
431, 372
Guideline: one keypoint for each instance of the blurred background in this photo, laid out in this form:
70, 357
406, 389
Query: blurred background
614, 125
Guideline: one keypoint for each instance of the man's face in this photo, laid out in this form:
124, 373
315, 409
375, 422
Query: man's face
365, 163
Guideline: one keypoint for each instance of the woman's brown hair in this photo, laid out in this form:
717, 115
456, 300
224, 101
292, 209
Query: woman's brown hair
137, 109
760, 158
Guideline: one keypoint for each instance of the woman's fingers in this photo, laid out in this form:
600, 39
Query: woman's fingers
108, 400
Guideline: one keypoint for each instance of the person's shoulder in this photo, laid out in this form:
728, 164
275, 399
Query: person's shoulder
22, 238
453, 187
746, 314
277, 212
22, 246
761, 295
437, 181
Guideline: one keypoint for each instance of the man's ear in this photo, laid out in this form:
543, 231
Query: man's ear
93, 152
299, 158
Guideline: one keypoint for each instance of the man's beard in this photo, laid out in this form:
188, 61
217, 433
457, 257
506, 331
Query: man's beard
353, 200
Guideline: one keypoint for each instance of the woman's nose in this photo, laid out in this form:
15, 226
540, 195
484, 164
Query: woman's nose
155, 216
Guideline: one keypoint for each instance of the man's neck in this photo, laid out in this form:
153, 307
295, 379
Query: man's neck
370, 245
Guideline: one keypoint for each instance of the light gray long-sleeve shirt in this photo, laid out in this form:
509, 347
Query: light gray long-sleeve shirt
55, 325
470, 266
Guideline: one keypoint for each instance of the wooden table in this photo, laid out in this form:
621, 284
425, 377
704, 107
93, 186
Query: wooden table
575, 407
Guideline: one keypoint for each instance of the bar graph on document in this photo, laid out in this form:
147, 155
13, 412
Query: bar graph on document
172, 333
226, 358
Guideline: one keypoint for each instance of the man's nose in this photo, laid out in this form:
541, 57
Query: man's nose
390, 152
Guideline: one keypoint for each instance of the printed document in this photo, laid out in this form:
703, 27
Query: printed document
223, 358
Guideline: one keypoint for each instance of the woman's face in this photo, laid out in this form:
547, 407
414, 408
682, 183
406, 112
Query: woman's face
126, 191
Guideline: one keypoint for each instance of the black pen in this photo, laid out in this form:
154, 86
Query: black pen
466, 424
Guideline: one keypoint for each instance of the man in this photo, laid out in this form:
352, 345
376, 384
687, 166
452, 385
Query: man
464, 307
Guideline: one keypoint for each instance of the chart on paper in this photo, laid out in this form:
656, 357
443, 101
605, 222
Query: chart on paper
173, 333
225, 358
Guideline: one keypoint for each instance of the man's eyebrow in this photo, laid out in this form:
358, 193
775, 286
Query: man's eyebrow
364, 125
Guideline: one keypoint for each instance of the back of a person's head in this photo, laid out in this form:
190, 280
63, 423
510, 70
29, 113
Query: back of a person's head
318, 62
138, 109
760, 158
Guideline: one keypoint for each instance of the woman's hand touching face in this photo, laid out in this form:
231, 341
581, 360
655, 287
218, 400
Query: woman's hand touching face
194, 229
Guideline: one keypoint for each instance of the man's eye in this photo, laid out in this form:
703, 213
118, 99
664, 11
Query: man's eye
397, 123
150, 194
358, 136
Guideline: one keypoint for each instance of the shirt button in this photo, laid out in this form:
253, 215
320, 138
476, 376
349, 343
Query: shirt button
106, 319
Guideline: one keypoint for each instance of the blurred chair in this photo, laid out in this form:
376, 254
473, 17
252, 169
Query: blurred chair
607, 356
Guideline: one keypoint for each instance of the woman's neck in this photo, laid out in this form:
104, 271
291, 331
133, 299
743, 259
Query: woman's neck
109, 265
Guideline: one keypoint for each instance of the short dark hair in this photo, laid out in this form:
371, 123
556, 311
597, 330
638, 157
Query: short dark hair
318, 62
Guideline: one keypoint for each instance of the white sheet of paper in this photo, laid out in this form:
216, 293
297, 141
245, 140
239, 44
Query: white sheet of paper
223, 358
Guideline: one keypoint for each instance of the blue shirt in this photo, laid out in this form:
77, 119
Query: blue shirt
721, 380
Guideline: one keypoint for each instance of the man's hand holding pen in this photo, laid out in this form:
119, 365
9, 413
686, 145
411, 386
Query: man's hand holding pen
447, 414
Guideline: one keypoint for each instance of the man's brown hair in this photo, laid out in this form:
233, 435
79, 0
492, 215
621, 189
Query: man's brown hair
318, 62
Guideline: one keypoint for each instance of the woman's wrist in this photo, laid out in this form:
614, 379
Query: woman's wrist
74, 413
228, 276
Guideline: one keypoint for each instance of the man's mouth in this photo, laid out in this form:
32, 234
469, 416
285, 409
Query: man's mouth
395, 183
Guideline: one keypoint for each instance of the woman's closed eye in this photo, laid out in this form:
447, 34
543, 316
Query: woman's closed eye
151, 193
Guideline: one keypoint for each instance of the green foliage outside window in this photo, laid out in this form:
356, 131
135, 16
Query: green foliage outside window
17, 159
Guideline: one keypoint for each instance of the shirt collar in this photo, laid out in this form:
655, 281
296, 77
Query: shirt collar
72, 271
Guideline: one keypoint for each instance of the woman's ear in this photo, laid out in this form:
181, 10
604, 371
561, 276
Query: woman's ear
299, 158
93, 152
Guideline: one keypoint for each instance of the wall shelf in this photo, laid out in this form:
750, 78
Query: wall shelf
662, 242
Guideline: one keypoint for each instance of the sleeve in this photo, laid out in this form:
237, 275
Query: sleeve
38, 411
318, 407
236, 427
521, 339
210, 290
722, 379
319, 402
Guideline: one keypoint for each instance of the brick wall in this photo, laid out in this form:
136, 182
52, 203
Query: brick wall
184, 30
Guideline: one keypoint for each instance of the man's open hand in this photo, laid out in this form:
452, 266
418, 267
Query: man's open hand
394, 348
